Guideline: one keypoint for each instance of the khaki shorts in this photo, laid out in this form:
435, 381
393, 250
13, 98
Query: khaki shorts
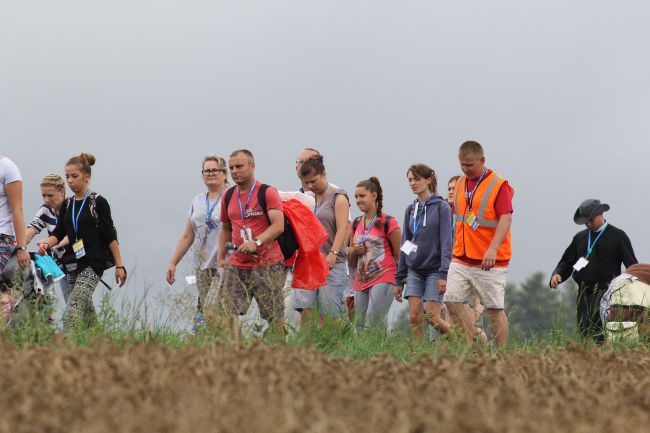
464, 283
265, 285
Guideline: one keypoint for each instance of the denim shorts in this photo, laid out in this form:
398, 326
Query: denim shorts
423, 286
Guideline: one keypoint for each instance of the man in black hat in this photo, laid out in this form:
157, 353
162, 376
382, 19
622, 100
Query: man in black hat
594, 259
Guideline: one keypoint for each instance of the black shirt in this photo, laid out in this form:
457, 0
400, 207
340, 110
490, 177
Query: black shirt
96, 234
612, 249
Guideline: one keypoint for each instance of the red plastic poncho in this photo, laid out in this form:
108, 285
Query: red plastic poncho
310, 269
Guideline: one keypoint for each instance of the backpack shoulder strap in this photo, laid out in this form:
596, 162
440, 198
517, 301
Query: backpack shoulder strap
386, 222
229, 193
355, 224
261, 197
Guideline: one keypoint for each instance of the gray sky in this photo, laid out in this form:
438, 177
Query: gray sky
556, 91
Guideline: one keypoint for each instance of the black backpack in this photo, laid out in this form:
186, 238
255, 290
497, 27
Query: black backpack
287, 240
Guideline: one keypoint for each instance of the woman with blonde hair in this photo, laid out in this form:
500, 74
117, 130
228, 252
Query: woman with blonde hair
202, 230
47, 217
85, 219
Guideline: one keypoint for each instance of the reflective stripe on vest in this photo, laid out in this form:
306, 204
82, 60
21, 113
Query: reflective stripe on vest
480, 217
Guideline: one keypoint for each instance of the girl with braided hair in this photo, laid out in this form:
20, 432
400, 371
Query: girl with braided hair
373, 252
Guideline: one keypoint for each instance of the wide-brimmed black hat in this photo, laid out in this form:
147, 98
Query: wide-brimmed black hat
589, 209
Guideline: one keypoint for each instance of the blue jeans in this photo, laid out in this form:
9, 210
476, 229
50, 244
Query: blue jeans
423, 286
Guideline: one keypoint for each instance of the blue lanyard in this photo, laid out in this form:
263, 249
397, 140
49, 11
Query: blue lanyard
318, 206
470, 196
366, 230
75, 219
590, 246
210, 209
416, 225
248, 200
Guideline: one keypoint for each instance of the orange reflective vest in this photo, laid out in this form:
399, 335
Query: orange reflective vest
472, 243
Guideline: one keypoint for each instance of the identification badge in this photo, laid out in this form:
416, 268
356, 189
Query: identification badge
472, 221
409, 247
249, 234
581, 264
78, 248
212, 224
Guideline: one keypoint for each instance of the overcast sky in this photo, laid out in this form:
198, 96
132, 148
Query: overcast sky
556, 91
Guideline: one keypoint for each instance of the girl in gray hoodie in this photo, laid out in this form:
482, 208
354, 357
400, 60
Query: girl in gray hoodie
425, 253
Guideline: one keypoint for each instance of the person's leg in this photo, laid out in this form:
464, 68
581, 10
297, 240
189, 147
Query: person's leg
235, 300
596, 331
291, 316
491, 287
80, 306
460, 290
433, 302
416, 310
305, 302
267, 286
380, 299
582, 312
361, 299
413, 292
330, 296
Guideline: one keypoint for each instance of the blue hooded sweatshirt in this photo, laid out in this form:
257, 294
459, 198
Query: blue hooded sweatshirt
432, 226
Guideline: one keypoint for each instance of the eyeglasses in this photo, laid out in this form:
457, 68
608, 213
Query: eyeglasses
300, 161
212, 171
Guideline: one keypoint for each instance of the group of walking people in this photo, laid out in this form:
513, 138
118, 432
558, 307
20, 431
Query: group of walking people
448, 258
81, 238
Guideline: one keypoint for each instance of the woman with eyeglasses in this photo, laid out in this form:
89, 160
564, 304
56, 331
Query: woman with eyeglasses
202, 231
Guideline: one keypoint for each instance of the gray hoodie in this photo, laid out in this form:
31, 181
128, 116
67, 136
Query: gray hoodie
433, 238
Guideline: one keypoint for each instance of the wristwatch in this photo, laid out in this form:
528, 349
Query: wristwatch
22, 247
258, 243
336, 253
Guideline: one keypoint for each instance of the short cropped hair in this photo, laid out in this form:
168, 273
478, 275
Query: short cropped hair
470, 148
246, 152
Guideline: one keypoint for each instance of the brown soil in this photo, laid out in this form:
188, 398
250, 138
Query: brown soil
259, 389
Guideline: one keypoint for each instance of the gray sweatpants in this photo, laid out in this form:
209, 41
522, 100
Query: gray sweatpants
371, 305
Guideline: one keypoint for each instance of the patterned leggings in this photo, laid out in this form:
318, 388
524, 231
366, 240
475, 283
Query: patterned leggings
80, 303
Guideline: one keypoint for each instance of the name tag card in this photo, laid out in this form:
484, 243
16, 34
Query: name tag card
409, 247
580, 264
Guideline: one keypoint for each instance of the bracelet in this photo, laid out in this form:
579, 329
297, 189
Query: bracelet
120, 267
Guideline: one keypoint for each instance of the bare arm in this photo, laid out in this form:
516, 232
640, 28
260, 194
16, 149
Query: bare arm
275, 229
30, 233
14, 191
499, 236
120, 272
341, 213
184, 244
395, 238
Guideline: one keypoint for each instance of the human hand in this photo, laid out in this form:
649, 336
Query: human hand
555, 281
331, 260
120, 276
359, 249
171, 274
489, 259
23, 259
442, 287
398, 293
43, 246
247, 247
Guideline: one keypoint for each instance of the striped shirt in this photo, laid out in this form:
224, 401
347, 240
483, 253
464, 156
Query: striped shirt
46, 219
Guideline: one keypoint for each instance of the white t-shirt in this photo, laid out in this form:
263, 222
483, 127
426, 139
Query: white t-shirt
8, 173
206, 240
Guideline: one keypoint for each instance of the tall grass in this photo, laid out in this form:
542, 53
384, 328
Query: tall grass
132, 323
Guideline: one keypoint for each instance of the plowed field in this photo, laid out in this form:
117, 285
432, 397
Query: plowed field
149, 388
